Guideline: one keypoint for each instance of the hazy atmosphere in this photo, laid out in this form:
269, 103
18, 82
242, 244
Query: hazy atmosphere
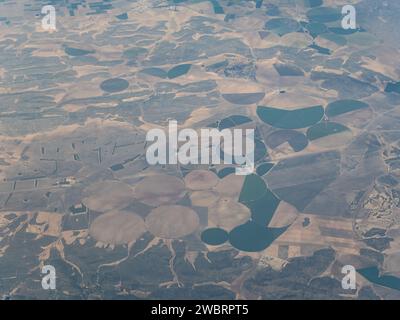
110, 187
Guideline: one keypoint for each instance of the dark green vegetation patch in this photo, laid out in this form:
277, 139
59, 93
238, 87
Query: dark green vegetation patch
252, 237
155, 72
335, 38
178, 71
393, 87
76, 52
316, 28
297, 140
290, 119
253, 188
123, 16
343, 106
230, 122
324, 14
217, 7
288, 70
226, 172
324, 129
259, 199
259, 153
174, 72
135, 52
214, 236
243, 98
313, 3
114, 85
320, 49
282, 26
342, 31
372, 274
263, 168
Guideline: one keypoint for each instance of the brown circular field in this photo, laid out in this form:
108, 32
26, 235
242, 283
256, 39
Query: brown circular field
117, 228
172, 222
230, 185
201, 180
160, 189
227, 213
108, 195
204, 198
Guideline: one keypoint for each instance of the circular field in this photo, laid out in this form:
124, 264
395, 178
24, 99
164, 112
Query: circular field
114, 85
159, 190
231, 185
117, 228
201, 180
204, 198
107, 195
172, 222
227, 214
244, 98
214, 236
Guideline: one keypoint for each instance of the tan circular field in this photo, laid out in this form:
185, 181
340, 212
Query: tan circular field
204, 198
172, 222
107, 195
228, 213
231, 185
160, 189
201, 180
117, 228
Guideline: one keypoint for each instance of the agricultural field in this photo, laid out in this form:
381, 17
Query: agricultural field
77, 191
